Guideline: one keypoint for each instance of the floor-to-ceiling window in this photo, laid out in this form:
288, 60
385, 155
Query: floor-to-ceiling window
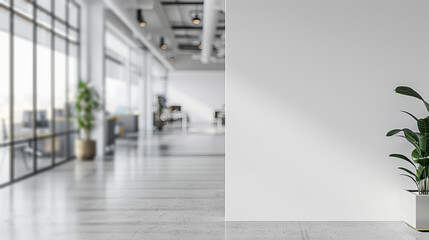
116, 87
4, 95
39, 55
136, 76
124, 64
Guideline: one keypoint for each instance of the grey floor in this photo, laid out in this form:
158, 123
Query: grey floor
169, 186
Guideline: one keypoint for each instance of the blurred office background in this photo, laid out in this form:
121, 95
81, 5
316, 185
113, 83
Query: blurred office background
145, 58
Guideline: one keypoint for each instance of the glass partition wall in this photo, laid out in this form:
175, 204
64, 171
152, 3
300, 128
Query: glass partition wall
40, 53
124, 71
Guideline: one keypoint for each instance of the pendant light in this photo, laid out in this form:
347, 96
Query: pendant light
162, 44
140, 18
196, 20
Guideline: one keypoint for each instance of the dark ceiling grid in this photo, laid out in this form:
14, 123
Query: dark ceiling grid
179, 6
186, 33
183, 8
183, 3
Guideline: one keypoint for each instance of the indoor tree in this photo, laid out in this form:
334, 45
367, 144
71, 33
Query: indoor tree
420, 141
86, 103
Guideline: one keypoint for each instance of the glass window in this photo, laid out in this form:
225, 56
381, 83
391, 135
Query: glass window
134, 89
23, 97
23, 6
44, 19
73, 35
5, 2
60, 9
4, 74
38, 94
4, 164
73, 82
46, 4
4, 96
73, 15
60, 148
72, 138
116, 89
44, 98
60, 97
60, 28
117, 46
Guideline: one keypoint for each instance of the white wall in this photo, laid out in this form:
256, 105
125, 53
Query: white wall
319, 75
198, 92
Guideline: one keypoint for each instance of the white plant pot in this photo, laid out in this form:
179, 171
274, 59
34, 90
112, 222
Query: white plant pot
415, 210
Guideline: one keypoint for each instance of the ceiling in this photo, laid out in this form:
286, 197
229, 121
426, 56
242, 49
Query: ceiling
172, 20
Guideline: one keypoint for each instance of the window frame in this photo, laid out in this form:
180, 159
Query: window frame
33, 19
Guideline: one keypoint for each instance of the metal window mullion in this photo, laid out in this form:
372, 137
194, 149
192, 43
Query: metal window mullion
34, 86
53, 83
79, 74
11, 89
67, 82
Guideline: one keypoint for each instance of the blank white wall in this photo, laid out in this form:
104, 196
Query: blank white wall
309, 90
198, 92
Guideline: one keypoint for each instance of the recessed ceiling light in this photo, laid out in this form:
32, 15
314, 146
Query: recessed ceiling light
200, 46
172, 60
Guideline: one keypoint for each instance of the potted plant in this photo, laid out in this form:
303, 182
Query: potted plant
86, 103
415, 203
158, 114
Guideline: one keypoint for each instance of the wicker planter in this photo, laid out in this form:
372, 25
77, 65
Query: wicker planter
85, 149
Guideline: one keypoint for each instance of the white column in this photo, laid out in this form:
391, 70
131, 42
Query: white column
129, 77
166, 75
141, 91
149, 93
96, 43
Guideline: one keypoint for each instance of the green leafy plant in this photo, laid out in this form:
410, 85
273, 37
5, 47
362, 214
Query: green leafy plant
86, 103
420, 141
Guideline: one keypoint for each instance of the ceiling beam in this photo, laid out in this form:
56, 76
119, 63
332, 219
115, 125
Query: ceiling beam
188, 47
192, 28
181, 3
193, 36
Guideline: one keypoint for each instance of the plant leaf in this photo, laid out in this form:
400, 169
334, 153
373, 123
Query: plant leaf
85, 105
407, 91
410, 115
416, 154
423, 125
423, 161
410, 135
424, 144
393, 132
407, 171
403, 158
421, 173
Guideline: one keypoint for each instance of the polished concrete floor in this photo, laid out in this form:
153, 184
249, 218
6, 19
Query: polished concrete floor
169, 186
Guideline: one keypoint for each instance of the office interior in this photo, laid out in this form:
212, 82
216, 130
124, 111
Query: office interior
308, 87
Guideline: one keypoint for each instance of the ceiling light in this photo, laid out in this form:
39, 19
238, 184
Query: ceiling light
162, 44
172, 60
200, 46
196, 20
140, 18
